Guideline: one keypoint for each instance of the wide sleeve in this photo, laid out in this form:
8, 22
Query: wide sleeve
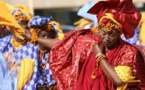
126, 75
25, 72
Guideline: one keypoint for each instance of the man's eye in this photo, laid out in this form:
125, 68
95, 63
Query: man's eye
103, 33
112, 35
43, 35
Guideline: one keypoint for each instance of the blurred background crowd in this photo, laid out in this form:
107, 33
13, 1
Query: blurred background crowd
64, 11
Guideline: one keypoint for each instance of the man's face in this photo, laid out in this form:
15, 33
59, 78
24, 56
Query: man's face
43, 34
109, 37
23, 24
46, 34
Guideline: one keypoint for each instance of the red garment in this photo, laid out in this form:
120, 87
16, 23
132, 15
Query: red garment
121, 54
122, 11
67, 57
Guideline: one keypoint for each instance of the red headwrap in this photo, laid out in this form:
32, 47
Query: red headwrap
123, 12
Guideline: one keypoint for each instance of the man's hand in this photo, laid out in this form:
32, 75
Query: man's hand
27, 35
97, 48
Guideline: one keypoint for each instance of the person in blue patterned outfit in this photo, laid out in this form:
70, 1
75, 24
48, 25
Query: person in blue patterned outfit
44, 29
21, 59
22, 16
18, 57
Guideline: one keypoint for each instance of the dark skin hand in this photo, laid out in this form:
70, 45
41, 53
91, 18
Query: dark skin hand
108, 37
107, 68
48, 43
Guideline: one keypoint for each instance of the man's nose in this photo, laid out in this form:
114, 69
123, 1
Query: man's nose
45, 36
107, 38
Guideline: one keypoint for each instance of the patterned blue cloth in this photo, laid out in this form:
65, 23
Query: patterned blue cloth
17, 10
27, 51
132, 40
47, 72
39, 21
3, 67
5, 75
